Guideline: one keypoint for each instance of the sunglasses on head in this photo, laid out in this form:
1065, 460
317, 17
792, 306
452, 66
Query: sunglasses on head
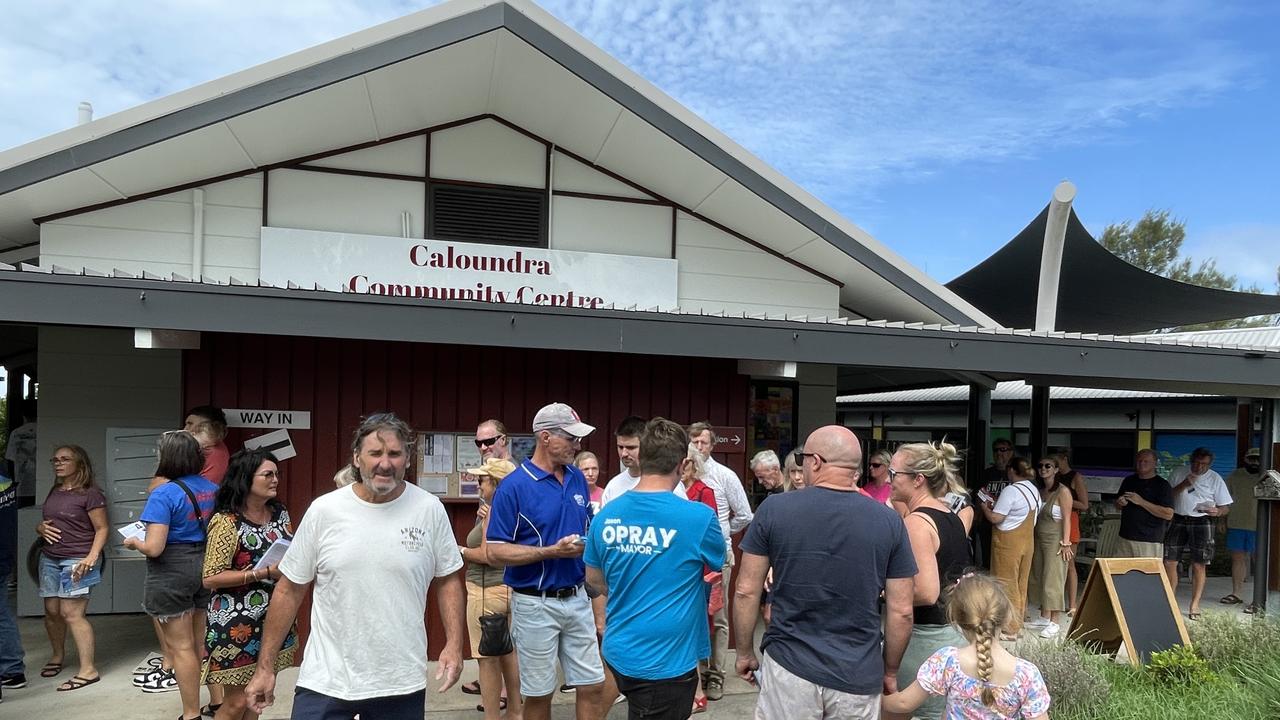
487, 442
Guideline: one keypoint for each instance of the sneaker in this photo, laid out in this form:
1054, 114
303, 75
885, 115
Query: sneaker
164, 681
567, 689
714, 688
1036, 622
141, 677
1050, 630
14, 681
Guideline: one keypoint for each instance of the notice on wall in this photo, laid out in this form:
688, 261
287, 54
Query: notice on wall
278, 443
435, 454
246, 418
440, 270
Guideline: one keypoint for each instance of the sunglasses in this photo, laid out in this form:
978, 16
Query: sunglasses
1047, 466
877, 465
800, 455
488, 442
1004, 449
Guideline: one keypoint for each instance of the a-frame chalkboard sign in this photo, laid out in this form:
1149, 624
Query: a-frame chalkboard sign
1128, 601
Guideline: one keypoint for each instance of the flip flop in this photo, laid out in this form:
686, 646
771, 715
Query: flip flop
502, 705
699, 705
1251, 609
1231, 600
1193, 615
472, 688
76, 682
210, 710
50, 670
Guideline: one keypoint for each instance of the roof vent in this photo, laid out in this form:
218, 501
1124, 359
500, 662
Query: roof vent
85, 114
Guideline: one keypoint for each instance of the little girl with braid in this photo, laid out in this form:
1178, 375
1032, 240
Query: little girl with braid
981, 681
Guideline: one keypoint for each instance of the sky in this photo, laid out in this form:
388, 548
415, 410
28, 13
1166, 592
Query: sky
939, 127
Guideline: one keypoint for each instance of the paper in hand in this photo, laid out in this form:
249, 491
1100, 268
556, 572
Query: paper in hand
273, 555
137, 529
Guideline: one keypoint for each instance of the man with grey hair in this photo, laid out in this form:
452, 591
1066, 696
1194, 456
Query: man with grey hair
379, 532
768, 470
734, 514
1146, 507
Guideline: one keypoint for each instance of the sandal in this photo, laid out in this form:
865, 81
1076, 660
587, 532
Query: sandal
472, 688
699, 705
76, 682
210, 710
1193, 615
1252, 609
502, 705
50, 669
1231, 599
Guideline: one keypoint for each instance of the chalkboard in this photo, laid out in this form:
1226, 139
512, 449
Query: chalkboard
1152, 626
1128, 603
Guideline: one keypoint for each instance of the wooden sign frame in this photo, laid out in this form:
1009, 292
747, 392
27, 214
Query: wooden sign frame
1100, 621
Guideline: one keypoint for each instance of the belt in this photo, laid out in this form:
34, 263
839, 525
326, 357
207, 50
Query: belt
557, 593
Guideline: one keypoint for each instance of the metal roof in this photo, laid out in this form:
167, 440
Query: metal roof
62, 296
1009, 390
459, 60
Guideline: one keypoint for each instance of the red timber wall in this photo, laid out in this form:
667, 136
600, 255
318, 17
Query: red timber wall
446, 388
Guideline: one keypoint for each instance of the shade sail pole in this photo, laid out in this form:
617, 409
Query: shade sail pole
1055, 236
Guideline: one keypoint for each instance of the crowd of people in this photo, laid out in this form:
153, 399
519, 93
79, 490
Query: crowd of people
871, 584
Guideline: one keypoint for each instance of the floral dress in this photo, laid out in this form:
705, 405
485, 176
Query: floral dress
1025, 696
236, 614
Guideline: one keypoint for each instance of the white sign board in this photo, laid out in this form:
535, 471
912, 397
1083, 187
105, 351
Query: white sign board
291, 419
277, 442
440, 270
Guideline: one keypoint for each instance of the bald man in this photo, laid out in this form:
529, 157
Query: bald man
831, 549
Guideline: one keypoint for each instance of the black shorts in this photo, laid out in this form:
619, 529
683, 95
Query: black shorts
175, 582
667, 699
1189, 533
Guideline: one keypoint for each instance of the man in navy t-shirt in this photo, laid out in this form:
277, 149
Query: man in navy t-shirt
537, 521
647, 550
832, 551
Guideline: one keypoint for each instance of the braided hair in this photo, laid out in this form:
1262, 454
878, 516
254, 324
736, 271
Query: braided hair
980, 607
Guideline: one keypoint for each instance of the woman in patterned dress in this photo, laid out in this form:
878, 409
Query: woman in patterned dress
247, 520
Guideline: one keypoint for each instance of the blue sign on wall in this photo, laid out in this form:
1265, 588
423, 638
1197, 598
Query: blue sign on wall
1173, 450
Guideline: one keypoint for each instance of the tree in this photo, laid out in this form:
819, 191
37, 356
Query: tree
1154, 244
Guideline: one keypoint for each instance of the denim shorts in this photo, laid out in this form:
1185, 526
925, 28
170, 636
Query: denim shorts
547, 629
55, 578
175, 582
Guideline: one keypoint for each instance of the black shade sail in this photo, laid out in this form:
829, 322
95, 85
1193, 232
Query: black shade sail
1098, 292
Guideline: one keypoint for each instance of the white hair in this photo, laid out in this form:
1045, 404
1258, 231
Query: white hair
765, 458
699, 465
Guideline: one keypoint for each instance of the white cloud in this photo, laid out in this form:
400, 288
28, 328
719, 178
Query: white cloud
841, 96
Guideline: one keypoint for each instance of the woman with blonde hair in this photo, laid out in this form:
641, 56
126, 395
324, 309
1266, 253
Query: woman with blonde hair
792, 474
981, 680
487, 595
878, 486
589, 464
75, 532
921, 475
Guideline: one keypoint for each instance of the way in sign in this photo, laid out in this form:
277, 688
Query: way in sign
262, 418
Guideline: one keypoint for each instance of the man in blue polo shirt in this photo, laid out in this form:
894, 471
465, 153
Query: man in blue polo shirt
647, 551
537, 521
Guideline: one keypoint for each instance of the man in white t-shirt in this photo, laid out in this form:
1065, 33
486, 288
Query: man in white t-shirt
735, 515
371, 549
628, 438
1199, 496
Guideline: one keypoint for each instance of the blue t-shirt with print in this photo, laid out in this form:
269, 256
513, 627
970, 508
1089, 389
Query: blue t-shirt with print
652, 548
532, 507
169, 505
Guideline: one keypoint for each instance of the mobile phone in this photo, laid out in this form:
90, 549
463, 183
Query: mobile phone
581, 540
755, 675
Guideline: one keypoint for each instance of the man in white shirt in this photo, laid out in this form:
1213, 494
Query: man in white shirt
367, 653
1199, 496
735, 515
628, 438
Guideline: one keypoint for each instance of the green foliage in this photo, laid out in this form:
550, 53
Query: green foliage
1076, 678
1154, 244
1226, 643
1180, 665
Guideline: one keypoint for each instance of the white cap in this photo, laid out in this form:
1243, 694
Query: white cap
558, 416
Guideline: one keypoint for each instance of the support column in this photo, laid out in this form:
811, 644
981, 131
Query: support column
978, 437
1265, 575
1039, 442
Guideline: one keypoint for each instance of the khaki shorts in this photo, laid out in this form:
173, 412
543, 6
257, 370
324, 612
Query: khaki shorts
1137, 549
496, 601
784, 696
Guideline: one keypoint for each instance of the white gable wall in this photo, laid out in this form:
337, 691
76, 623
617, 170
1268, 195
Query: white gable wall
718, 272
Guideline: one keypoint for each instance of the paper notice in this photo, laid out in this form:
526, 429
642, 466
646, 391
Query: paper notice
136, 529
273, 555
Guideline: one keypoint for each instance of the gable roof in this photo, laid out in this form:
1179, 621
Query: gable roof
462, 59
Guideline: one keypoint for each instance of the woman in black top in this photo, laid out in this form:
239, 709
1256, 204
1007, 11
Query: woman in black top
921, 475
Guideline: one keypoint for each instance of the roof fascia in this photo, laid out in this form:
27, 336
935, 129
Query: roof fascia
46, 298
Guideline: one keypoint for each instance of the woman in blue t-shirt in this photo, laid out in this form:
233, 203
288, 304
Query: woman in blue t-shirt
173, 593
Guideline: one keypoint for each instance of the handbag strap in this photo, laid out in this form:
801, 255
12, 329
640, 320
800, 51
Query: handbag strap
195, 505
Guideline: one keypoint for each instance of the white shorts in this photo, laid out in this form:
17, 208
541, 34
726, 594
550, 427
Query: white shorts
785, 696
547, 629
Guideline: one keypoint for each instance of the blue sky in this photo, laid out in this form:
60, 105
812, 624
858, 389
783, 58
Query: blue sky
939, 127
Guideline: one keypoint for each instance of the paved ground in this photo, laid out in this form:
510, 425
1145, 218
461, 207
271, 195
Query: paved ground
124, 640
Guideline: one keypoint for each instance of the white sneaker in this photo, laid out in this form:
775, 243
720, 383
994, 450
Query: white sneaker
162, 682
1050, 630
1036, 623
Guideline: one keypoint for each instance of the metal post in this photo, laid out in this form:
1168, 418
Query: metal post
1262, 555
978, 435
1039, 420
1055, 236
